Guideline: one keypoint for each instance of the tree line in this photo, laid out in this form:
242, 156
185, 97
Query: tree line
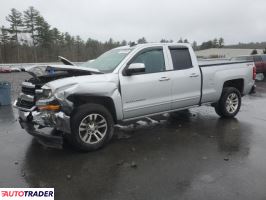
30, 38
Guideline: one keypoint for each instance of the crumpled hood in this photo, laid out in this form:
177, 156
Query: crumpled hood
83, 81
41, 70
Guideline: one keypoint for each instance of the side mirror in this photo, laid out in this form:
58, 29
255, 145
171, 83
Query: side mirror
135, 68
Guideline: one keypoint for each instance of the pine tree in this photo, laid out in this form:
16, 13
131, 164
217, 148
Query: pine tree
56, 36
4, 37
94, 47
30, 23
215, 43
221, 42
44, 34
57, 41
69, 43
78, 43
180, 40
124, 43
142, 40
254, 52
16, 24
194, 45
4, 40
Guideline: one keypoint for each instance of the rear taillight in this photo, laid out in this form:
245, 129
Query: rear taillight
254, 73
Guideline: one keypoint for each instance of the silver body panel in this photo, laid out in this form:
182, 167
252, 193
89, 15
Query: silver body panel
149, 94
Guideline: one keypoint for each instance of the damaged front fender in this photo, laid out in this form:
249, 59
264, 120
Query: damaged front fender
105, 93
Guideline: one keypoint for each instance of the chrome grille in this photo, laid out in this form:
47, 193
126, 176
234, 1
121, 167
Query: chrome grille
30, 91
28, 88
27, 96
25, 104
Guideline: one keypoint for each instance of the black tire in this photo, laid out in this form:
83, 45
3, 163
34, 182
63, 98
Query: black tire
264, 74
221, 107
81, 115
218, 110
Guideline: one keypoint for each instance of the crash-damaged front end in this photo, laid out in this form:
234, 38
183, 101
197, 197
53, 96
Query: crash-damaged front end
46, 119
44, 112
36, 124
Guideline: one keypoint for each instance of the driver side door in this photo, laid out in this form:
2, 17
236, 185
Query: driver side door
148, 92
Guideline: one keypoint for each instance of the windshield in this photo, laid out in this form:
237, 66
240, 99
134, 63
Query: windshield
108, 61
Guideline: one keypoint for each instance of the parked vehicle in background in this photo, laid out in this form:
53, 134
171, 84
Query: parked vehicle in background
5, 70
259, 60
15, 69
260, 63
85, 102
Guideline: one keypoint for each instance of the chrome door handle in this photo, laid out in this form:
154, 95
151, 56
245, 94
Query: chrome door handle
164, 79
193, 75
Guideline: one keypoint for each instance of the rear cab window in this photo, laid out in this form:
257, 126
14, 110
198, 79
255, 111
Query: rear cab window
181, 58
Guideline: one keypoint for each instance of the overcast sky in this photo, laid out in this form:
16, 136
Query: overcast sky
200, 20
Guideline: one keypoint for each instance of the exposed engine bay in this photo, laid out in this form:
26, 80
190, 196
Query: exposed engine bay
48, 113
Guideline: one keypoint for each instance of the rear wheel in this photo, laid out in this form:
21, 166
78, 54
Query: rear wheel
229, 103
92, 126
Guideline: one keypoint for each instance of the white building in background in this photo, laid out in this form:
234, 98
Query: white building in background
224, 52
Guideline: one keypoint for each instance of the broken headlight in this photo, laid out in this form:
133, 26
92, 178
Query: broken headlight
44, 93
47, 92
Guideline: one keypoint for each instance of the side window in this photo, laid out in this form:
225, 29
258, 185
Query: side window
153, 60
181, 58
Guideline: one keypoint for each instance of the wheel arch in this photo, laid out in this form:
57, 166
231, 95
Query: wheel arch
236, 83
82, 99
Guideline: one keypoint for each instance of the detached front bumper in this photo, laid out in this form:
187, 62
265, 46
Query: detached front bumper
47, 128
46, 139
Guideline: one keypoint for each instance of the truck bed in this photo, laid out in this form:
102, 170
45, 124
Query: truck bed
210, 63
215, 74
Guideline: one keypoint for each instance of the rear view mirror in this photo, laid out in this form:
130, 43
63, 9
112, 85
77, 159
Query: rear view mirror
135, 68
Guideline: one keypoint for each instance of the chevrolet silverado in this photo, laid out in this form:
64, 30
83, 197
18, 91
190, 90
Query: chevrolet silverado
83, 103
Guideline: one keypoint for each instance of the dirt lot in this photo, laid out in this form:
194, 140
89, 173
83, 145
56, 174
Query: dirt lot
196, 156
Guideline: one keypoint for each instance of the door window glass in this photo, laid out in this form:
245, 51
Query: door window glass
153, 60
181, 58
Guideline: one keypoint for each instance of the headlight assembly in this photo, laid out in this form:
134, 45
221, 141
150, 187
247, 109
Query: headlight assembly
47, 92
44, 93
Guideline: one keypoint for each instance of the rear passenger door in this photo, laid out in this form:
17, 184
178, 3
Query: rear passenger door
186, 78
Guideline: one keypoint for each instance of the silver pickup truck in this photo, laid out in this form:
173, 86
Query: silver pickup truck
83, 103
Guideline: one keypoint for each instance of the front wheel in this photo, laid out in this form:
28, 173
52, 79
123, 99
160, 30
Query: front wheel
92, 126
229, 103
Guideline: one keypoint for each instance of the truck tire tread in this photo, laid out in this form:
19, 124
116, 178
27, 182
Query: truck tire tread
220, 107
81, 112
